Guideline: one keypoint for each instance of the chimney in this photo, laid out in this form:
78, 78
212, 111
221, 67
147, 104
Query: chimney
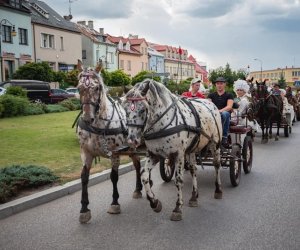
101, 31
82, 23
91, 25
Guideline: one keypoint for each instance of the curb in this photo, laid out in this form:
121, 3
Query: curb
50, 194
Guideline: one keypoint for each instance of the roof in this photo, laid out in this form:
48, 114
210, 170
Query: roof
117, 39
42, 14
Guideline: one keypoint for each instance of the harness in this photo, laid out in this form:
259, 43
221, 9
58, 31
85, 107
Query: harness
105, 131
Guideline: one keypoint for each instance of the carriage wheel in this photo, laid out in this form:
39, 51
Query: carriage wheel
166, 171
247, 154
286, 130
235, 166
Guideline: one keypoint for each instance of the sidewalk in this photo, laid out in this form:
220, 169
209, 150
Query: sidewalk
50, 194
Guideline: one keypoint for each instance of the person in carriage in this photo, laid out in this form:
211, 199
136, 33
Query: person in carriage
195, 89
243, 99
224, 102
288, 109
275, 90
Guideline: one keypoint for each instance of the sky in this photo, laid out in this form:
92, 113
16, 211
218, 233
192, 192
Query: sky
216, 32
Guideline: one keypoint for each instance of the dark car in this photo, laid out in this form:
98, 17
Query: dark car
58, 95
37, 91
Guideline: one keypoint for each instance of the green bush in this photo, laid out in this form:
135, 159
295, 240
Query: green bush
53, 108
71, 103
179, 88
1, 109
35, 109
35, 71
119, 78
141, 76
116, 91
15, 178
16, 91
13, 105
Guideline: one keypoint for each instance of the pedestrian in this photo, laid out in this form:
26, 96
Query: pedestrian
194, 90
224, 101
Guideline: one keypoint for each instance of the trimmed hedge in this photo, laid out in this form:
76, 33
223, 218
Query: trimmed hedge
13, 105
16, 178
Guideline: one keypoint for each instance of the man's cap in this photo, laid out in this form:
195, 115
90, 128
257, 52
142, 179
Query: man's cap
220, 79
195, 80
276, 84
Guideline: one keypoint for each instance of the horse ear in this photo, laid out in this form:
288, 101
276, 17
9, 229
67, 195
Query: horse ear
79, 65
251, 79
256, 81
99, 66
264, 82
146, 88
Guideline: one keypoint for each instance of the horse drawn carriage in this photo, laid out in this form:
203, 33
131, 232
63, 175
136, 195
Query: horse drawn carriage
238, 155
172, 128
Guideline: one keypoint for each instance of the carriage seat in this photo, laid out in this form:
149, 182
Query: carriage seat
239, 129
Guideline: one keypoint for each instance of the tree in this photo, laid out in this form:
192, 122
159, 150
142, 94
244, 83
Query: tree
141, 76
35, 71
281, 81
119, 78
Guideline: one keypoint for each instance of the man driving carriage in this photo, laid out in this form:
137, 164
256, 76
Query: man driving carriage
195, 89
224, 102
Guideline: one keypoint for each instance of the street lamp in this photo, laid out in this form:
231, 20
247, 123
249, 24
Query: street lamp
256, 59
12, 33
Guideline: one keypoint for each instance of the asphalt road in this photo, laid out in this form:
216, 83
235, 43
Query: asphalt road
263, 212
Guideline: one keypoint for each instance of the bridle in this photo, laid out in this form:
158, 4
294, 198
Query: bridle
133, 101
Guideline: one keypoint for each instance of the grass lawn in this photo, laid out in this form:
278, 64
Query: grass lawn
45, 140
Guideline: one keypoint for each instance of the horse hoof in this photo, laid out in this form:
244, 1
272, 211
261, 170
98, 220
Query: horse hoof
114, 209
137, 195
158, 207
218, 195
276, 139
85, 217
176, 216
193, 203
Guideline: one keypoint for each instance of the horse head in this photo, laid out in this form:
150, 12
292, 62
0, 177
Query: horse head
261, 91
136, 106
91, 90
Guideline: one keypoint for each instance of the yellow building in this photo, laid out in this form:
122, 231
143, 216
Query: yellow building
272, 76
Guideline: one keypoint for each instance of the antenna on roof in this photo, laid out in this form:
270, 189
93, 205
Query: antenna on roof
70, 2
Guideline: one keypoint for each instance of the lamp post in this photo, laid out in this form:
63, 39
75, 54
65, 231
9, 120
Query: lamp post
13, 33
256, 59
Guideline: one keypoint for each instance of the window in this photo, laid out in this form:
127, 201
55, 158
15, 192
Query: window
129, 65
47, 41
23, 36
61, 43
84, 54
110, 57
6, 34
15, 3
121, 64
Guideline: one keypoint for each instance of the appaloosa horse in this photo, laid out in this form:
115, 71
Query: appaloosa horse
266, 108
101, 129
172, 128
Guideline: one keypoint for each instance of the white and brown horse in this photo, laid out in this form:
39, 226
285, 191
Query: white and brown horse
101, 130
175, 128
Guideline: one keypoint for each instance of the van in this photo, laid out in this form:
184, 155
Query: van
37, 91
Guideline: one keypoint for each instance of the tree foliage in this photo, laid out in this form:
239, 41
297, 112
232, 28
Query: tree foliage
228, 74
141, 76
119, 78
282, 82
35, 71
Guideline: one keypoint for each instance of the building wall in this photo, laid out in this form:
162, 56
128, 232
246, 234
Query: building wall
14, 53
107, 53
69, 54
131, 62
272, 76
156, 64
179, 71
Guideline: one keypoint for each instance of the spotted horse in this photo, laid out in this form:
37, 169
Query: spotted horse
101, 129
174, 129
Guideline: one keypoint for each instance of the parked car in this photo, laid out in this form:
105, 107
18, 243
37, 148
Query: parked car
58, 95
2, 91
37, 91
74, 91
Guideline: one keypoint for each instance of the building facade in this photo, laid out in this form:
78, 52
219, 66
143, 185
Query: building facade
16, 44
291, 75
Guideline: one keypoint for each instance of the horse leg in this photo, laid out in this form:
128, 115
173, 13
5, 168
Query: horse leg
155, 204
177, 212
138, 186
278, 126
217, 165
85, 213
114, 177
263, 132
193, 202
